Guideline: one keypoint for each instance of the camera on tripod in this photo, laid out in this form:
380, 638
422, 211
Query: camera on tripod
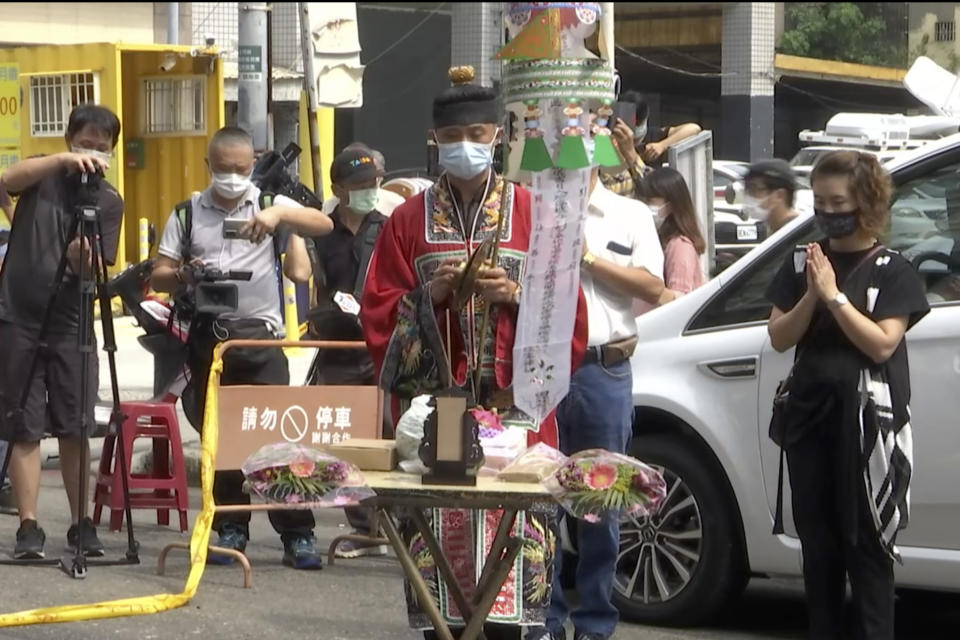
215, 294
85, 190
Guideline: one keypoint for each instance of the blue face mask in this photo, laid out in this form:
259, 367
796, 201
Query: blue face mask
465, 160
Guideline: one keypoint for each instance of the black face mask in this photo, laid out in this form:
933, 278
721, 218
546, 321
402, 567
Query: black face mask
837, 225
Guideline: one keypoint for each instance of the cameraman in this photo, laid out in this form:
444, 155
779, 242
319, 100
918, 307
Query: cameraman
49, 187
230, 160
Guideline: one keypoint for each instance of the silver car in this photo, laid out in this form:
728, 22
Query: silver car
704, 376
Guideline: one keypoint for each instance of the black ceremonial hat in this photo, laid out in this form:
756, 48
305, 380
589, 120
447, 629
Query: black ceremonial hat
465, 103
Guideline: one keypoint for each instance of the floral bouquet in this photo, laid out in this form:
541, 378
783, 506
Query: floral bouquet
295, 474
594, 482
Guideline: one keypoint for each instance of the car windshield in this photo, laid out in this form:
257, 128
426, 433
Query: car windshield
807, 157
740, 170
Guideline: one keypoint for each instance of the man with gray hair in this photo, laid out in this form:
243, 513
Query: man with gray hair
197, 233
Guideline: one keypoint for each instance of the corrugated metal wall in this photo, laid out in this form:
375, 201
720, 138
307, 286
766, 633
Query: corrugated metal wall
173, 165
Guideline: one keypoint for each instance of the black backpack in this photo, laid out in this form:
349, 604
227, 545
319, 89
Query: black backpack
327, 320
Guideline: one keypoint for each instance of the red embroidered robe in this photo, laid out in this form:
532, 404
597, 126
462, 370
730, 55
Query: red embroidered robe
407, 335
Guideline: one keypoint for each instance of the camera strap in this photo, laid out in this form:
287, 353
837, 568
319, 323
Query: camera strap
367, 243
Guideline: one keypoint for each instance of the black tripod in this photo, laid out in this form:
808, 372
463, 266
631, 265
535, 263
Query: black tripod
91, 285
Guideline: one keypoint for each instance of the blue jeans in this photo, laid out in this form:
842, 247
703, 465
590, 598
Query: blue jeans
596, 414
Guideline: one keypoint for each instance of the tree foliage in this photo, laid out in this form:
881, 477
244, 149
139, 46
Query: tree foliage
844, 31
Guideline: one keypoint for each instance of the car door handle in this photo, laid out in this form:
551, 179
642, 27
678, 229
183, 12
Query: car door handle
734, 368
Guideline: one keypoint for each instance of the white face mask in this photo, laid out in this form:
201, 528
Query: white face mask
753, 208
92, 152
464, 159
231, 185
660, 213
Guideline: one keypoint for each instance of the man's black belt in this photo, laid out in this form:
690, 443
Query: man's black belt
612, 353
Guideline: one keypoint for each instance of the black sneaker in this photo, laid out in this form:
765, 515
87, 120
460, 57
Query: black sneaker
300, 552
92, 547
231, 537
30, 539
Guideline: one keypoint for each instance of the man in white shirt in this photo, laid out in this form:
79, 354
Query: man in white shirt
622, 261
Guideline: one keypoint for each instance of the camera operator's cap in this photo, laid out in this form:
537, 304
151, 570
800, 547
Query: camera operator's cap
775, 172
354, 166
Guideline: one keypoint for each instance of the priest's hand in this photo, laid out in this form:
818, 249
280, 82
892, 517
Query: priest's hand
444, 278
495, 286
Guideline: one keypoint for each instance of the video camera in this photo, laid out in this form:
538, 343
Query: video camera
85, 188
215, 293
271, 174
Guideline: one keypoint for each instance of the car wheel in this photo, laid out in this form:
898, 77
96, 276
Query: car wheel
682, 563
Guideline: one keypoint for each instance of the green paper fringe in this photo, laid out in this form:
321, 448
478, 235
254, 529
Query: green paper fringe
536, 157
573, 153
604, 153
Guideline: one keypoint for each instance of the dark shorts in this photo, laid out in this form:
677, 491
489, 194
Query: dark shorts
53, 406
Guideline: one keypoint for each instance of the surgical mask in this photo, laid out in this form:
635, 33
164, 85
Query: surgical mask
363, 201
466, 160
639, 133
660, 214
231, 185
753, 208
836, 225
101, 155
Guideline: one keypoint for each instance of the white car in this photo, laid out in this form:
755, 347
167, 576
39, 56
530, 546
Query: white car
802, 163
704, 376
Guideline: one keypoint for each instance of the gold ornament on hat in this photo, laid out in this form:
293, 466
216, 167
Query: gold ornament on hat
461, 75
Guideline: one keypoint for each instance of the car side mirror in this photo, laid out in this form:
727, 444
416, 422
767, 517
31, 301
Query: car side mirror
734, 192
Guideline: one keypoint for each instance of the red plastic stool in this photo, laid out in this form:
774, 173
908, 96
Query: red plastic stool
165, 487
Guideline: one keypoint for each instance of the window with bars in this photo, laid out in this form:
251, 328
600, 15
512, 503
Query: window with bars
174, 106
945, 31
53, 97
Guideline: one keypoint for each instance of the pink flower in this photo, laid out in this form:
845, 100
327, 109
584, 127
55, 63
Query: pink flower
292, 499
602, 477
303, 468
487, 419
591, 517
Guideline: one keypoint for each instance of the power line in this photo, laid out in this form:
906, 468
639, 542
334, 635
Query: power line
818, 97
409, 33
694, 74
216, 5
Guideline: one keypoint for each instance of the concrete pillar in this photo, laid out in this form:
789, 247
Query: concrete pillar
173, 22
252, 73
477, 34
746, 131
